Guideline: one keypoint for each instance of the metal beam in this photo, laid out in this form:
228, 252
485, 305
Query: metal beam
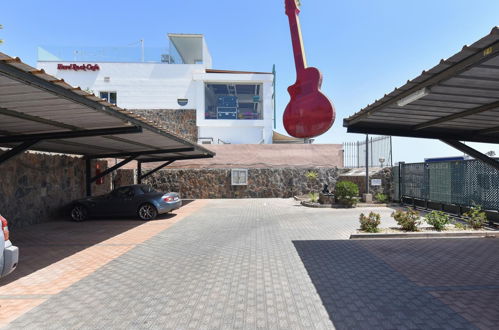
461, 114
165, 159
454, 69
140, 153
21, 115
473, 153
155, 170
113, 168
489, 130
463, 95
475, 88
468, 77
88, 177
16, 150
32, 79
139, 172
70, 134
407, 131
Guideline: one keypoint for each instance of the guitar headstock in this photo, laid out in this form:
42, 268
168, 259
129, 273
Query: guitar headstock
292, 7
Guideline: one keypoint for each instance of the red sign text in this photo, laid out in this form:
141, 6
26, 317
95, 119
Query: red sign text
78, 67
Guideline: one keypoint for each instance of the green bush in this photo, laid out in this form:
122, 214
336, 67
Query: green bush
459, 225
314, 197
408, 220
311, 175
382, 198
370, 223
437, 219
346, 193
475, 217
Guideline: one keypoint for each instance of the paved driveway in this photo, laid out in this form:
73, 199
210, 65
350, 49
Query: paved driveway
268, 263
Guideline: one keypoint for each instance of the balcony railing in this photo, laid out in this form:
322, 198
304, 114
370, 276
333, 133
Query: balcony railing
132, 54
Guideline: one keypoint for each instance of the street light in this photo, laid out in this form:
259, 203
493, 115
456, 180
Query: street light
381, 160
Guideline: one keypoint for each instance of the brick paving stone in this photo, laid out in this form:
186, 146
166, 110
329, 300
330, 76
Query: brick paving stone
260, 264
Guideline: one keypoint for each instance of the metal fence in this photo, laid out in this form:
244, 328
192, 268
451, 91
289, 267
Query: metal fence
462, 183
380, 152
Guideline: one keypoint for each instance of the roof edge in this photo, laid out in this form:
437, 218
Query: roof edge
426, 78
42, 80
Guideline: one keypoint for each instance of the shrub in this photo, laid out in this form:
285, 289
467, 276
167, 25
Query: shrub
311, 175
314, 197
408, 220
381, 197
459, 225
370, 223
346, 193
475, 217
437, 219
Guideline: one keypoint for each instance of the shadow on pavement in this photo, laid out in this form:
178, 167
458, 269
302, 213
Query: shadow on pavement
43, 244
360, 291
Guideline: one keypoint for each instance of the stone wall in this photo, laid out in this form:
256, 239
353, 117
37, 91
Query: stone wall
262, 182
180, 122
384, 174
386, 182
124, 177
36, 187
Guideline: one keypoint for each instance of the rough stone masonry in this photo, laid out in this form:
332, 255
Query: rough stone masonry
262, 182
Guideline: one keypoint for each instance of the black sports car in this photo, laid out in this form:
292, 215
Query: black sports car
138, 199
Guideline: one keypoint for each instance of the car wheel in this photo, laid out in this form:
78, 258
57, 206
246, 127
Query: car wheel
79, 213
147, 212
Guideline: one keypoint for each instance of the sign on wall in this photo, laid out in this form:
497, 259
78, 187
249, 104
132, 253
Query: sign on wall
376, 182
78, 67
239, 177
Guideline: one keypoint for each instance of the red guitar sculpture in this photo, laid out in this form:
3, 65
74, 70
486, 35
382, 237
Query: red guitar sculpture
309, 113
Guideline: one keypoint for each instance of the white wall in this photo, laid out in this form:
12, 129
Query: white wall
207, 60
233, 135
159, 85
138, 85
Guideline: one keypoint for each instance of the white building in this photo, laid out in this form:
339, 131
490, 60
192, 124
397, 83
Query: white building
231, 106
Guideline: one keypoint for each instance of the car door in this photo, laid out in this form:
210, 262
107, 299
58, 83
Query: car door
99, 205
121, 201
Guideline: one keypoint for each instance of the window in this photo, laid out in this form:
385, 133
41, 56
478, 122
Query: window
147, 189
239, 177
230, 101
123, 192
109, 96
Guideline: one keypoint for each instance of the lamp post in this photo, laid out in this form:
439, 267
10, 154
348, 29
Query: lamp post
381, 161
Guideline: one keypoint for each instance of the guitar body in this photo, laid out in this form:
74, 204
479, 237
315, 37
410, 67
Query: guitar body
309, 113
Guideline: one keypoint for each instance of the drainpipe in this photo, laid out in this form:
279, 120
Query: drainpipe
367, 163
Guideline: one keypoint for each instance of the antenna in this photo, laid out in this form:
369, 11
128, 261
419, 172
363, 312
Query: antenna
142, 49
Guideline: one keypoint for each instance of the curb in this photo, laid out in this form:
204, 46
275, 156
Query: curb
491, 234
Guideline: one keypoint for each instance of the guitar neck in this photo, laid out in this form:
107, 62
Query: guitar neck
296, 39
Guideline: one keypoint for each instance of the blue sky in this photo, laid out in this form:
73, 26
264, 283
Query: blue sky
363, 48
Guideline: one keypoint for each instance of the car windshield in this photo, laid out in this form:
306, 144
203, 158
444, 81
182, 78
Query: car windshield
147, 189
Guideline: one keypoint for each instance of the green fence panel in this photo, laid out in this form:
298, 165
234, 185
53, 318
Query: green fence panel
439, 178
466, 183
396, 184
413, 180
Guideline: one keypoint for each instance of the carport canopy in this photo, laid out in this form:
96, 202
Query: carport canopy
457, 100
41, 112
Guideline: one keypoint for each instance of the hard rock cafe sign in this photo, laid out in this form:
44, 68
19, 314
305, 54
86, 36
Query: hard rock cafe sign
78, 67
